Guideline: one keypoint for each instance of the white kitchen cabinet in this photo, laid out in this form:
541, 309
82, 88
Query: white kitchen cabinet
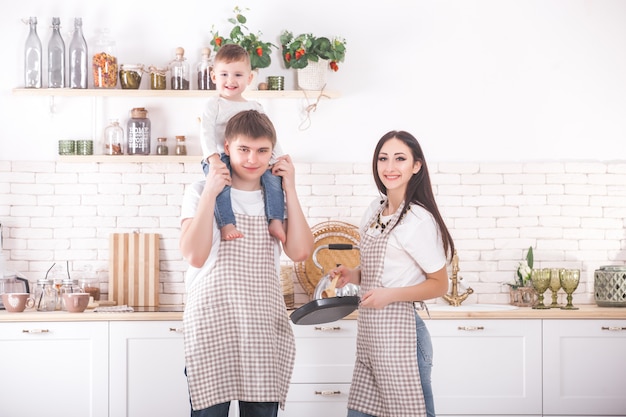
584, 367
486, 367
320, 382
147, 369
54, 369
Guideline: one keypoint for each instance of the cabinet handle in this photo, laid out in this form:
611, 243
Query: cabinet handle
36, 331
613, 328
176, 329
471, 328
327, 328
328, 393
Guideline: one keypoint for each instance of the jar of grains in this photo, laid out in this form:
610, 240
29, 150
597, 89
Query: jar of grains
104, 61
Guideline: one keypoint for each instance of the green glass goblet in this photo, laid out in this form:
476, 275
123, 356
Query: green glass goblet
555, 285
569, 281
541, 281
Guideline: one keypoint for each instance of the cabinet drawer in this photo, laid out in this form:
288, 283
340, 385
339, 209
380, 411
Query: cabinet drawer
325, 353
304, 400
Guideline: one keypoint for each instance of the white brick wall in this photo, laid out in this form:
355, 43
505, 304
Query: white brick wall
572, 213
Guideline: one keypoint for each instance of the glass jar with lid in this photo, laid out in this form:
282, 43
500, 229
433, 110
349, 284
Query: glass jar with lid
130, 76
203, 70
45, 295
104, 61
162, 148
68, 286
158, 78
179, 71
181, 148
113, 139
138, 132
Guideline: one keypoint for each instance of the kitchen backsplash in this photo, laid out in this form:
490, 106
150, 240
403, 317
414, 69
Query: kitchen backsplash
572, 213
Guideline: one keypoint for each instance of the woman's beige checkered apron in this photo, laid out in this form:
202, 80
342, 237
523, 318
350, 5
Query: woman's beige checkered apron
238, 341
386, 380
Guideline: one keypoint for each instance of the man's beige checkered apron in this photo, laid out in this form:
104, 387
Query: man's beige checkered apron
386, 380
238, 341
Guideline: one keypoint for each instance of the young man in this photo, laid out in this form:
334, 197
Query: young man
238, 341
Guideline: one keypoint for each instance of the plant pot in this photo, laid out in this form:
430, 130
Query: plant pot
313, 76
523, 296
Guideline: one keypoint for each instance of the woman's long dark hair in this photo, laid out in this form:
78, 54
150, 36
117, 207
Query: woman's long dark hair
419, 189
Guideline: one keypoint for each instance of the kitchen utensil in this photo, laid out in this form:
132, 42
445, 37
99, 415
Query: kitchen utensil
16, 302
555, 285
134, 269
325, 233
325, 310
610, 286
75, 302
330, 291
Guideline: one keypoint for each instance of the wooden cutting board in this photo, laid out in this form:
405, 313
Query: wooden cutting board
134, 269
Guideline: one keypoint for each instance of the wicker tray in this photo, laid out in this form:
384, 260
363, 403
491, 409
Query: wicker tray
325, 233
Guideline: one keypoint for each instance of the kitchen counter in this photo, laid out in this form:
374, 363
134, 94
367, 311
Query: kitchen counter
585, 312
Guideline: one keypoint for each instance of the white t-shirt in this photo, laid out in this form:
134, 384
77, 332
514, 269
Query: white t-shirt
244, 202
414, 248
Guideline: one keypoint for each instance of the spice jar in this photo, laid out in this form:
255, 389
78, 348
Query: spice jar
157, 78
162, 148
114, 139
179, 71
181, 149
138, 132
130, 76
104, 61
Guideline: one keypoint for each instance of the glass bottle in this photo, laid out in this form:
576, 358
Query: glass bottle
78, 57
181, 149
179, 71
138, 132
158, 78
32, 57
203, 70
104, 61
56, 56
114, 139
162, 148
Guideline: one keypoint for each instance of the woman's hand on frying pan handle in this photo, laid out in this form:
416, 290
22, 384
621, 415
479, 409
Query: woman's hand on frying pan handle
346, 275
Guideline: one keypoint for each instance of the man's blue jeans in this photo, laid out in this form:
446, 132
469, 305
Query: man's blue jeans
246, 409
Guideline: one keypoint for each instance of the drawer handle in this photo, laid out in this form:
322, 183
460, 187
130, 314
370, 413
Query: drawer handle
176, 329
36, 331
471, 328
613, 328
328, 393
327, 328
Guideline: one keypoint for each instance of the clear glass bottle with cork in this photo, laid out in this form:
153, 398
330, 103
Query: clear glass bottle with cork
179, 71
56, 56
78, 57
181, 148
203, 70
113, 139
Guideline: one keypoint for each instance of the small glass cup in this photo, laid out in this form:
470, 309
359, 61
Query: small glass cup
541, 281
569, 281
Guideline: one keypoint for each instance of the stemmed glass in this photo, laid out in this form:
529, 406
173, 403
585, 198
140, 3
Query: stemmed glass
541, 281
569, 281
555, 285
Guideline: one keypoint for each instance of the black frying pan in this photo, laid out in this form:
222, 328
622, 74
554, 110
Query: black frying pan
325, 310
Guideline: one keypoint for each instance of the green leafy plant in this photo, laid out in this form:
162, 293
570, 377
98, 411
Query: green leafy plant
298, 51
258, 49
524, 270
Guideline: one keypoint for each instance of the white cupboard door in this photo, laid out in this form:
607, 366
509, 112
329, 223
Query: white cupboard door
54, 369
584, 367
325, 353
486, 367
148, 369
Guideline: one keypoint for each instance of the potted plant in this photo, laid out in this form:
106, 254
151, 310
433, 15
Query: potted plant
312, 56
258, 49
521, 291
